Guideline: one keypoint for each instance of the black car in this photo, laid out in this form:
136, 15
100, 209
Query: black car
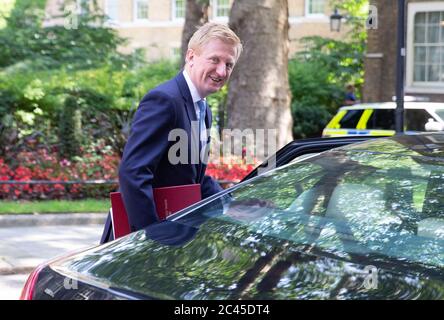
362, 221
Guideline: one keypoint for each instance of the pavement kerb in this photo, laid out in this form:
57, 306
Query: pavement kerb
16, 270
53, 219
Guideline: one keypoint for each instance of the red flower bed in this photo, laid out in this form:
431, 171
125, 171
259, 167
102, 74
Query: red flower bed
228, 172
42, 165
99, 163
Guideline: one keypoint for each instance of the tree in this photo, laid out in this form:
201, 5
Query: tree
259, 95
25, 39
196, 14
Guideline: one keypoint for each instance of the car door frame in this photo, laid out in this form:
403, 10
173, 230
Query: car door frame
302, 147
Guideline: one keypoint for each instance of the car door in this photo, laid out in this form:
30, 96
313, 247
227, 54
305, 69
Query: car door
303, 147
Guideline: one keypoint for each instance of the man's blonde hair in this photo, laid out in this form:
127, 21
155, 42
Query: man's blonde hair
212, 30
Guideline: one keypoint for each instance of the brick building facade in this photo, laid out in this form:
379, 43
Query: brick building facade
156, 25
424, 61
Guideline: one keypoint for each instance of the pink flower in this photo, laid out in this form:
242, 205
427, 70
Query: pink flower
65, 163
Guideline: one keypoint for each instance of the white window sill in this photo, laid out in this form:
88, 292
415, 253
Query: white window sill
152, 24
316, 16
436, 89
298, 20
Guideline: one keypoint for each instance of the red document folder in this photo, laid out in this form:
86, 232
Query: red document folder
172, 199
168, 200
119, 217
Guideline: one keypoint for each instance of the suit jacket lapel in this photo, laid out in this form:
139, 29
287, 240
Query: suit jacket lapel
186, 94
191, 113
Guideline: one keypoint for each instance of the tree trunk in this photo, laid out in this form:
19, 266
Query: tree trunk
196, 15
259, 95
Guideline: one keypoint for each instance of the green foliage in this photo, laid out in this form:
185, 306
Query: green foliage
309, 120
318, 76
314, 98
5, 10
106, 97
54, 206
217, 102
343, 61
88, 45
356, 12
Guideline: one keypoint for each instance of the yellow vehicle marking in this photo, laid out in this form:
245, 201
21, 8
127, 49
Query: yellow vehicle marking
355, 132
382, 132
334, 133
334, 123
362, 124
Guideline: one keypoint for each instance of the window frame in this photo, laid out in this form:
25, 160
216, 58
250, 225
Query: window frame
135, 7
109, 18
314, 15
215, 7
174, 10
411, 85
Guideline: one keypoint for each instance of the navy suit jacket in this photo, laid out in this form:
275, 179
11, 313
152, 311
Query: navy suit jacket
145, 164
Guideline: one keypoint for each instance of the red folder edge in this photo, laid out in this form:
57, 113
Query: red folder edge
168, 200
119, 216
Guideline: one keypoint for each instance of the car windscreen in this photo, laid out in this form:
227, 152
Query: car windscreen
346, 201
440, 113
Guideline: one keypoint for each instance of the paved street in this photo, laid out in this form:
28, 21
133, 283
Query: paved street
22, 248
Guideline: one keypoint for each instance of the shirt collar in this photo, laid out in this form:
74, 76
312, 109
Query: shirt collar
194, 94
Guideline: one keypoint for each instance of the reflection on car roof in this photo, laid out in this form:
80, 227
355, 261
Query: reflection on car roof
426, 145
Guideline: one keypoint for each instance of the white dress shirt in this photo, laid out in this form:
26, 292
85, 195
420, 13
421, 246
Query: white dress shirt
196, 97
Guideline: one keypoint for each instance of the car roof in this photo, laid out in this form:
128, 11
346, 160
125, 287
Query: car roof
392, 105
417, 145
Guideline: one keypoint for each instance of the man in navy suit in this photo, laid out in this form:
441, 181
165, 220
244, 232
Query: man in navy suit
178, 103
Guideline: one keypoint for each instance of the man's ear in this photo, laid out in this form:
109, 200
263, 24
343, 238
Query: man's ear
189, 57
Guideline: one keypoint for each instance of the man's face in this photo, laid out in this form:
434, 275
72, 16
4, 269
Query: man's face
210, 66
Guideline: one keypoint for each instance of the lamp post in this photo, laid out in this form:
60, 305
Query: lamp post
400, 63
335, 21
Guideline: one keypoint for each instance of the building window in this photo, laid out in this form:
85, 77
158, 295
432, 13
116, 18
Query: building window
141, 9
178, 9
428, 47
112, 9
315, 7
425, 47
221, 8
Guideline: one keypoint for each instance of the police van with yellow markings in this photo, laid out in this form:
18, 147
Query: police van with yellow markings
378, 119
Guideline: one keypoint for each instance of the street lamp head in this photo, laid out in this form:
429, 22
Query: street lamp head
335, 21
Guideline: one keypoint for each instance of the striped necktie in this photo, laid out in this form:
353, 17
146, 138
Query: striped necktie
202, 111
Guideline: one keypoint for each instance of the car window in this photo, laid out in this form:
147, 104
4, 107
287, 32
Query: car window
382, 119
440, 113
351, 119
341, 201
415, 119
